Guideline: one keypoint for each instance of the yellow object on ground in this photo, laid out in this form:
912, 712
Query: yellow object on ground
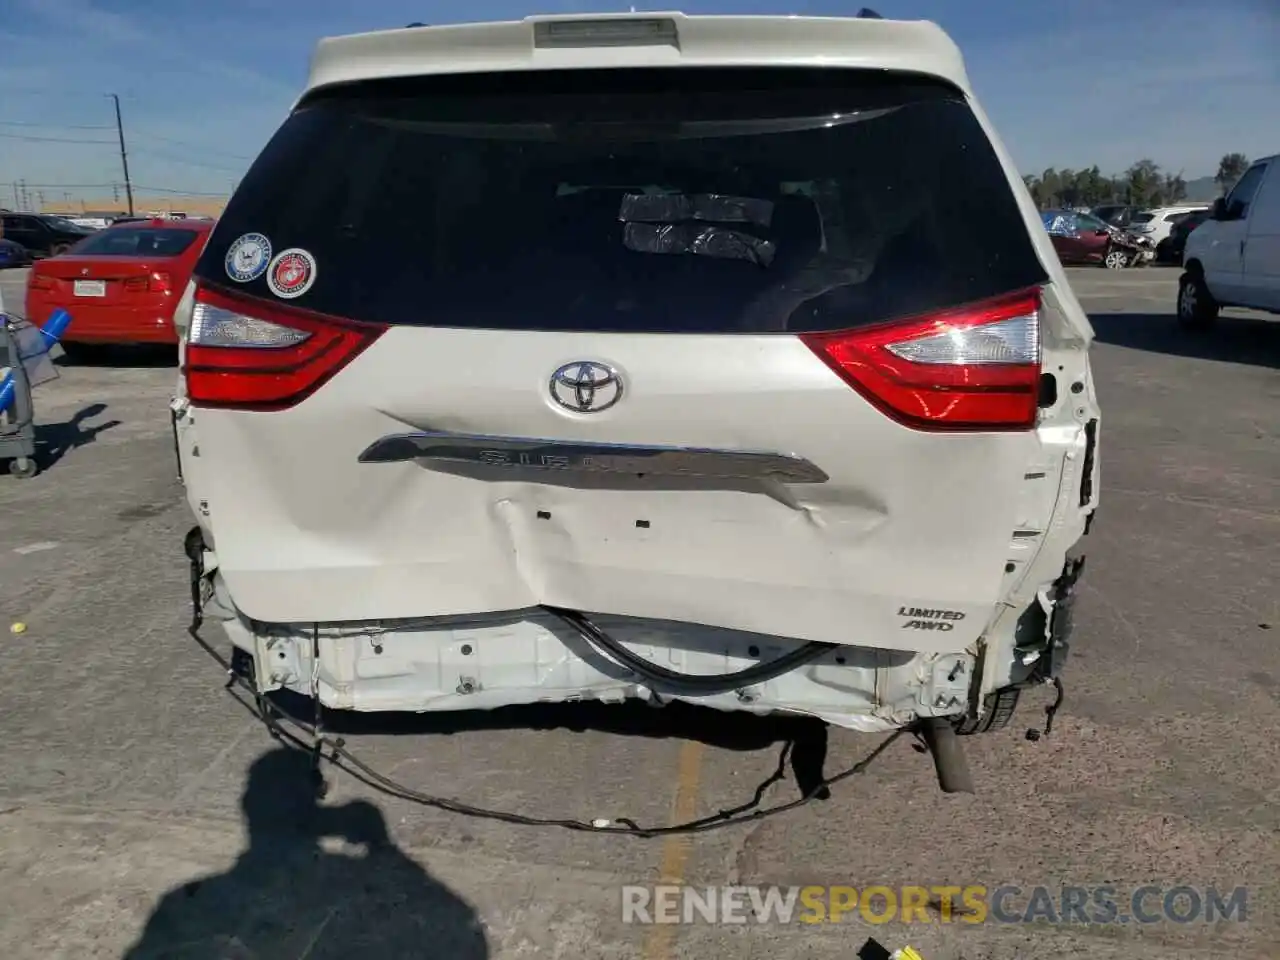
907, 953
18, 627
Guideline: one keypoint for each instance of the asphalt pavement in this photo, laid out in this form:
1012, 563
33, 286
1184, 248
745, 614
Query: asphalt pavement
140, 801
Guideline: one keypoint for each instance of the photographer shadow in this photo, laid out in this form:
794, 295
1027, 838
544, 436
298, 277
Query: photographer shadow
289, 896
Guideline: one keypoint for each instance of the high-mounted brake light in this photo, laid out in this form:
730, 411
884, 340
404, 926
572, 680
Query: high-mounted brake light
612, 32
251, 354
976, 367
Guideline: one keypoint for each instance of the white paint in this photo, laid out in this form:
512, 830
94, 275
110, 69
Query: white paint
37, 547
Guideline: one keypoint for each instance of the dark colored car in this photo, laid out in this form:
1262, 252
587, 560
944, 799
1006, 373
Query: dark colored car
1117, 214
13, 254
44, 235
1172, 247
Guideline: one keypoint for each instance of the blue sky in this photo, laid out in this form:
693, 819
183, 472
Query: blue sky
203, 83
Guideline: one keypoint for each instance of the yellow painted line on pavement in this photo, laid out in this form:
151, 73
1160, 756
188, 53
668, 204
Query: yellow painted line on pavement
675, 848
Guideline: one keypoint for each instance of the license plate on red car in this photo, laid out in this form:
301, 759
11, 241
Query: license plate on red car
91, 288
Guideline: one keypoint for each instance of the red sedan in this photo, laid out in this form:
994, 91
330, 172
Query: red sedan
120, 285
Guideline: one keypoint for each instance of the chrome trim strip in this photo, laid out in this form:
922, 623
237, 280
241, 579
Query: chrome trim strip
578, 457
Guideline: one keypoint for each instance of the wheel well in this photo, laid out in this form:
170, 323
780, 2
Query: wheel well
1193, 266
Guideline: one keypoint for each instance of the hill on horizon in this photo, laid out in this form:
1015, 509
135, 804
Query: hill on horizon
1202, 190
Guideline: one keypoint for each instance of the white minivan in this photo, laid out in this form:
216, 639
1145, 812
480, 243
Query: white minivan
708, 358
1233, 258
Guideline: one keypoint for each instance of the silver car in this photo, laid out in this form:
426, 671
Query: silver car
703, 358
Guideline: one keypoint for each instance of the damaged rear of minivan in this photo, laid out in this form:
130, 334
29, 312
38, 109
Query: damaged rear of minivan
729, 375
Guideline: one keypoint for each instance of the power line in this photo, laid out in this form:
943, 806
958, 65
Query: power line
108, 184
193, 146
184, 193
192, 163
72, 186
30, 139
55, 126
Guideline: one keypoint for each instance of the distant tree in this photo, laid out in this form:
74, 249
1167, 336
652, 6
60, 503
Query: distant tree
1069, 191
1092, 188
1175, 188
1143, 183
1230, 168
1050, 186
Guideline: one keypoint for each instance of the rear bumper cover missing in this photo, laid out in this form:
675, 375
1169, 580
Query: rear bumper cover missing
531, 657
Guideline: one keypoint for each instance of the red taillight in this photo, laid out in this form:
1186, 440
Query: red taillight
152, 283
256, 355
976, 367
39, 282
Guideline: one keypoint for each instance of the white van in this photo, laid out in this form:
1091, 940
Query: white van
721, 359
1233, 258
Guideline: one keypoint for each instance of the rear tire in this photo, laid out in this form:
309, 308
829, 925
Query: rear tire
58, 249
1197, 310
1000, 707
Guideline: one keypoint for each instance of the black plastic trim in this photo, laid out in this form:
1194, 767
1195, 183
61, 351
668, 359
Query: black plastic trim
1086, 468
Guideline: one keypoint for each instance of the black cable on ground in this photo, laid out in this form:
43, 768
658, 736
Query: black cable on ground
688, 682
334, 750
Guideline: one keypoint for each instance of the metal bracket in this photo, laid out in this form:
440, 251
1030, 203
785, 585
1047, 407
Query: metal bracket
947, 686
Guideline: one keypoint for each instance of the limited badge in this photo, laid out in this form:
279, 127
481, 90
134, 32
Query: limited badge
247, 257
291, 273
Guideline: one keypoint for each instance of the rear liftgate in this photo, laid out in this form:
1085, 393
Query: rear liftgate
987, 361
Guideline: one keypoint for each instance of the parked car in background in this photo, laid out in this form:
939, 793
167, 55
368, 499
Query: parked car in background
1170, 249
1233, 258
13, 254
43, 234
120, 285
1116, 214
1155, 224
93, 223
1081, 238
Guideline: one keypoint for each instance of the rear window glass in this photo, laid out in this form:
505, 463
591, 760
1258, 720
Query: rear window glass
137, 242
62, 223
631, 200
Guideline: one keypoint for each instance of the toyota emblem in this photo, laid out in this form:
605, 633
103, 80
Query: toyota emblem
585, 386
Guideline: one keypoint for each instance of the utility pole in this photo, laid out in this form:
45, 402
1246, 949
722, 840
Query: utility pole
124, 157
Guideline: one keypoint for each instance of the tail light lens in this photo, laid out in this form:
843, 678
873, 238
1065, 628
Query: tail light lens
157, 282
39, 282
976, 367
251, 354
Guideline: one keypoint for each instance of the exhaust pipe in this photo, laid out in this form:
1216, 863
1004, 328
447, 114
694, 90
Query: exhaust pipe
948, 755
